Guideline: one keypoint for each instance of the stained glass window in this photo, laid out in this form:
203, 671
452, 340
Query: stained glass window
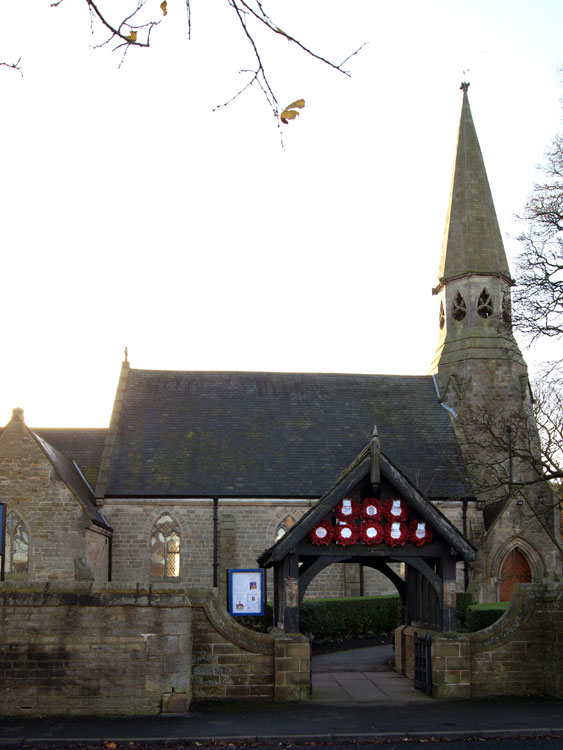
165, 548
17, 545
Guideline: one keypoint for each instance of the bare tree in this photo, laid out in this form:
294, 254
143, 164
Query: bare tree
539, 291
135, 27
14, 66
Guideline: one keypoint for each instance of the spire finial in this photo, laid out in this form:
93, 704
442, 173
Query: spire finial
464, 86
125, 355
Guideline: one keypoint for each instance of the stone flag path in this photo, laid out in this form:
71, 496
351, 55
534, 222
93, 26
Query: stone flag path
361, 677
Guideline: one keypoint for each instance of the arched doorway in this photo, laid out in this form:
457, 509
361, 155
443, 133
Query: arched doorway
514, 569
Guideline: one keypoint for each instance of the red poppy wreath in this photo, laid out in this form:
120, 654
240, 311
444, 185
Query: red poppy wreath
396, 510
371, 509
371, 532
397, 533
322, 533
346, 535
420, 533
347, 509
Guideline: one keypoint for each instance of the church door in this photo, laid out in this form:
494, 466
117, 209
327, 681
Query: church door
515, 569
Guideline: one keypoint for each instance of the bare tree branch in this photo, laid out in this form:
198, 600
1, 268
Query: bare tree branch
539, 292
130, 31
14, 66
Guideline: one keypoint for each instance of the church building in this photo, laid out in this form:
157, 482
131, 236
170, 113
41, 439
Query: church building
200, 472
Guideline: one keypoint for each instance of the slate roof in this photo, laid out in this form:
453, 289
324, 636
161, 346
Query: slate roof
71, 476
244, 434
83, 445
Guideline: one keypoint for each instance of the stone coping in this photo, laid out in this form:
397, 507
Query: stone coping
85, 594
209, 600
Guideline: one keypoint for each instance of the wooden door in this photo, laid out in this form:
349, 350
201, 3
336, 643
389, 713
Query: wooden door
515, 569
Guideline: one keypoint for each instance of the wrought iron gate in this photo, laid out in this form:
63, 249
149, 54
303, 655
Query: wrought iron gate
422, 664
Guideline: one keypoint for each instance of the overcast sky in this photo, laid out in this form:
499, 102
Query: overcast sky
133, 215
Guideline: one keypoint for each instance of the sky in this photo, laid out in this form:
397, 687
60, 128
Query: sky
134, 215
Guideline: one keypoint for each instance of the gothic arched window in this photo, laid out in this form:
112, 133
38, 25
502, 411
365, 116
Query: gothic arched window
284, 527
485, 304
17, 545
442, 315
459, 310
165, 548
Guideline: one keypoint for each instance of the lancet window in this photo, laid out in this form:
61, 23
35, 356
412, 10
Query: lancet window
165, 548
17, 546
442, 315
284, 527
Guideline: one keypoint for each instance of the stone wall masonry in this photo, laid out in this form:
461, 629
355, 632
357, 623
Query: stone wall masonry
54, 520
520, 654
233, 662
83, 649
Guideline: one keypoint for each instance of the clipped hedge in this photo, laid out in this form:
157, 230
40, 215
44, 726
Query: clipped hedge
346, 619
463, 600
480, 616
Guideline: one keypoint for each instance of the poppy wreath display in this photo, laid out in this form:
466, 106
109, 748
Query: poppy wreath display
345, 534
420, 533
347, 509
371, 509
397, 533
371, 532
322, 533
396, 510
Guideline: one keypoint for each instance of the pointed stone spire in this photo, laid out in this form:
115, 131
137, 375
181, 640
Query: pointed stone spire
472, 240
474, 283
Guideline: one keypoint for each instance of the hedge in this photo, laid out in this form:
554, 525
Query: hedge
480, 616
463, 600
346, 619
368, 616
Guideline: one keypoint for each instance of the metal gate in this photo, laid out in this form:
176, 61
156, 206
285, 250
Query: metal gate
422, 665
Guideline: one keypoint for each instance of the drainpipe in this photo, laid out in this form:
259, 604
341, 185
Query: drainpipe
110, 556
215, 540
465, 563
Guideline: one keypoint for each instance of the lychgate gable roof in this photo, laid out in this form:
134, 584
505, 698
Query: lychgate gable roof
350, 478
246, 434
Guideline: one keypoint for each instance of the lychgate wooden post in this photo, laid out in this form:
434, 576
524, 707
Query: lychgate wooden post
449, 585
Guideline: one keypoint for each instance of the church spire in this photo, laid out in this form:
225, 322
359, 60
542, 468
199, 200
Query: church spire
474, 279
472, 240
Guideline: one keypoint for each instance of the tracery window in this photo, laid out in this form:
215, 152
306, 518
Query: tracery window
459, 310
284, 527
17, 546
165, 548
442, 315
485, 304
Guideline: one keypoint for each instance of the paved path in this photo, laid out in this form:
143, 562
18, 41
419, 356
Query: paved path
361, 676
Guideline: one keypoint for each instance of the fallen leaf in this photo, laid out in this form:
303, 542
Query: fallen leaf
111, 745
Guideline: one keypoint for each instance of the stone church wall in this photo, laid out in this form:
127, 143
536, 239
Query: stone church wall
245, 529
54, 520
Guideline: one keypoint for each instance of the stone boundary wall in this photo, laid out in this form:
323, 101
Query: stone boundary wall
233, 662
520, 654
100, 650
